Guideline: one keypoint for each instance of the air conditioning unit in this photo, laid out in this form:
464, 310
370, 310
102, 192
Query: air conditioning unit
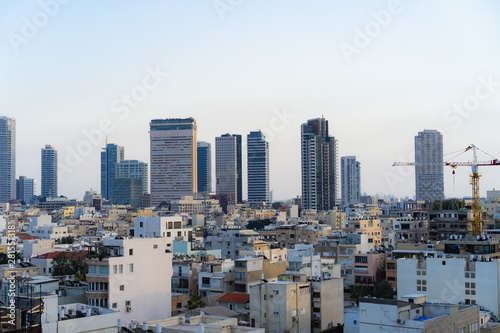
401, 321
129, 308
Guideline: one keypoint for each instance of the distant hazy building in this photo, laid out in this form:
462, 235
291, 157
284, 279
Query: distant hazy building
350, 171
319, 166
111, 155
134, 169
204, 167
127, 191
174, 170
258, 168
7, 159
49, 171
25, 189
429, 165
228, 166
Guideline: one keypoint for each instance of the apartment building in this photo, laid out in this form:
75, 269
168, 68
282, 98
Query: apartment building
281, 306
370, 226
132, 276
289, 235
413, 314
249, 271
454, 280
230, 241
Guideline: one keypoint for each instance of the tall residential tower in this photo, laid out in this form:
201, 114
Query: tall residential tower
228, 166
258, 168
429, 166
319, 166
49, 171
111, 155
174, 170
204, 167
7, 159
350, 171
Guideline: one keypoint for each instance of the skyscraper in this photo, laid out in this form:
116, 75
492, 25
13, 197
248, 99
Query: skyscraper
25, 189
7, 159
319, 166
49, 171
135, 170
429, 166
204, 167
110, 156
174, 171
228, 166
350, 171
258, 168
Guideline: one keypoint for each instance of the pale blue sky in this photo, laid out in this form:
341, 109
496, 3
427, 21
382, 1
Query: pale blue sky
232, 74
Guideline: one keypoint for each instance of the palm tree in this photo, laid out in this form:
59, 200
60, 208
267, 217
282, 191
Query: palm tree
195, 302
357, 292
384, 290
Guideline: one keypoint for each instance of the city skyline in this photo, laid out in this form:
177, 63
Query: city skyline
270, 76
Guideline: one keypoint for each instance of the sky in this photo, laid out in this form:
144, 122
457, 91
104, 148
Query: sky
75, 72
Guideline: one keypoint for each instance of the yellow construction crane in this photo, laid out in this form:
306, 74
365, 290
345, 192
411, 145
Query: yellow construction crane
474, 181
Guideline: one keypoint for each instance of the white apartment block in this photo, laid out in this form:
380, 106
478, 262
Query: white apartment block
452, 280
168, 227
414, 315
134, 277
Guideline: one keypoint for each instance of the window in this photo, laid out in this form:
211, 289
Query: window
361, 259
131, 252
115, 269
120, 269
155, 246
141, 224
444, 263
92, 269
122, 287
276, 292
103, 269
128, 303
115, 305
169, 234
131, 268
474, 327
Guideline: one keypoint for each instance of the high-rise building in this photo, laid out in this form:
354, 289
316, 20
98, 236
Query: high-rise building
127, 191
49, 171
174, 170
134, 169
25, 189
258, 168
350, 174
228, 166
429, 167
204, 167
111, 155
7, 159
319, 166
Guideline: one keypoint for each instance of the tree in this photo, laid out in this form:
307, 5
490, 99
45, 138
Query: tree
384, 290
258, 224
67, 240
195, 302
277, 205
357, 292
4, 258
69, 264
